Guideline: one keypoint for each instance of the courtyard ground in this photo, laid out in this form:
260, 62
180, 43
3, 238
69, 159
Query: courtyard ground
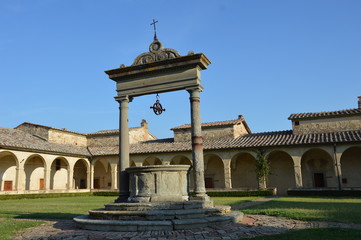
54, 219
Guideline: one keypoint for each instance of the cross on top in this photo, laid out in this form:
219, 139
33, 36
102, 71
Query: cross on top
155, 29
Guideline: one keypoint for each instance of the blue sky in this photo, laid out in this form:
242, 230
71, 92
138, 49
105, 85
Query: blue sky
269, 59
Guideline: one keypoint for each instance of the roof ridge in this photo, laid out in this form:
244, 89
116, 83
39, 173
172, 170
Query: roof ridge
347, 111
187, 125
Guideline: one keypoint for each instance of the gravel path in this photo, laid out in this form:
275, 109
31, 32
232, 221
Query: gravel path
251, 226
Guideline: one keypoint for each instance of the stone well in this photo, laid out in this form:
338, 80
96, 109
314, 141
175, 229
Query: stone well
158, 183
158, 201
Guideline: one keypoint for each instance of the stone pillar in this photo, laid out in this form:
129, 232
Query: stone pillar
70, 179
20, 179
114, 173
197, 146
90, 175
47, 172
227, 173
298, 171
337, 166
123, 178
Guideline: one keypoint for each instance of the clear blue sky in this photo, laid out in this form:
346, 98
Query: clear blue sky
269, 59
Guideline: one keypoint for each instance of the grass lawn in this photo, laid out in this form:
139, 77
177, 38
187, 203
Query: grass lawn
9, 226
315, 234
311, 209
51, 208
229, 201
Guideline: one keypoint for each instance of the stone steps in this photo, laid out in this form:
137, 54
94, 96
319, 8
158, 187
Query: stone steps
165, 216
85, 222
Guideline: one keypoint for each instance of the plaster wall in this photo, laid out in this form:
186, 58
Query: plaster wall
67, 138
59, 178
7, 171
243, 172
281, 172
34, 171
327, 125
350, 168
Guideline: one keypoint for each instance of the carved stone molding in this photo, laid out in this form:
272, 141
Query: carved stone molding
156, 53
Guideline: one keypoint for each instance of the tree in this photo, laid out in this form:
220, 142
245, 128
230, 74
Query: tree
262, 168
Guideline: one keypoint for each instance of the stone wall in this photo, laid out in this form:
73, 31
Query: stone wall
208, 133
103, 140
68, 138
34, 129
327, 125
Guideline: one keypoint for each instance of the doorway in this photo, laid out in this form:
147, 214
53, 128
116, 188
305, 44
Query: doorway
319, 180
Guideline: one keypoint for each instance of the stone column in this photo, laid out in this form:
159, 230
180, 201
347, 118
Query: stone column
20, 179
114, 173
227, 173
298, 171
337, 166
70, 179
90, 174
197, 146
47, 176
123, 178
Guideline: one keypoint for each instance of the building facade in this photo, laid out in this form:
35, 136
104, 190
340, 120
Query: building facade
323, 150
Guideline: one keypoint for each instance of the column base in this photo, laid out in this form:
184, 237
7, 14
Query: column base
123, 197
200, 197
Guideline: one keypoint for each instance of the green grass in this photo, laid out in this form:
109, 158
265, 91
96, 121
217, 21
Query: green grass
9, 226
311, 209
315, 234
229, 201
51, 208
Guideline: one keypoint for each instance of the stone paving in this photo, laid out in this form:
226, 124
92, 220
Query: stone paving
251, 226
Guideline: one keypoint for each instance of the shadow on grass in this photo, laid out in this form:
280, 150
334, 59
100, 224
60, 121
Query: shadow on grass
41, 216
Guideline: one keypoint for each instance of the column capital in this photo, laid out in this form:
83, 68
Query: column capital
123, 98
197, 88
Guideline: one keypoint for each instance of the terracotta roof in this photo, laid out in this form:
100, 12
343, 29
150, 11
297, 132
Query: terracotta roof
240, 119
13, 138
346, 112
267, 139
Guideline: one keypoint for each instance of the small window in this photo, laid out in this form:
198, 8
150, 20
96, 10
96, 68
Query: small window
344, 180
297, 123
57, 164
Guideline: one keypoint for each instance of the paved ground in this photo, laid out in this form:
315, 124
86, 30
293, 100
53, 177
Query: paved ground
251, 226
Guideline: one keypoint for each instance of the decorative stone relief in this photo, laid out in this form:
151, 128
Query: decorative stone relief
156, 53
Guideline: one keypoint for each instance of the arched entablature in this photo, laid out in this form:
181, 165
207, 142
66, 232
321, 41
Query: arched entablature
180, 160
282, 173
213, 171
80, 179
351, 166
59, 171
34, 167
8, 173
243, 174
152, 160
102, 174
318, 169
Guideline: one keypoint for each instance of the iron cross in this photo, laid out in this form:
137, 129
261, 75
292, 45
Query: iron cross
155, 29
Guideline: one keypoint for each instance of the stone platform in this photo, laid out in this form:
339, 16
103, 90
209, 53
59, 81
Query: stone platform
158, 216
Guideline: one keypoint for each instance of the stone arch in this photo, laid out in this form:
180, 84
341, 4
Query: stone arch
152, 161
80, 176
350, 167
180, 160
102, 174
59, 171
243, 172
213, 171
8, 173
34, 168
282, 173
317, 169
